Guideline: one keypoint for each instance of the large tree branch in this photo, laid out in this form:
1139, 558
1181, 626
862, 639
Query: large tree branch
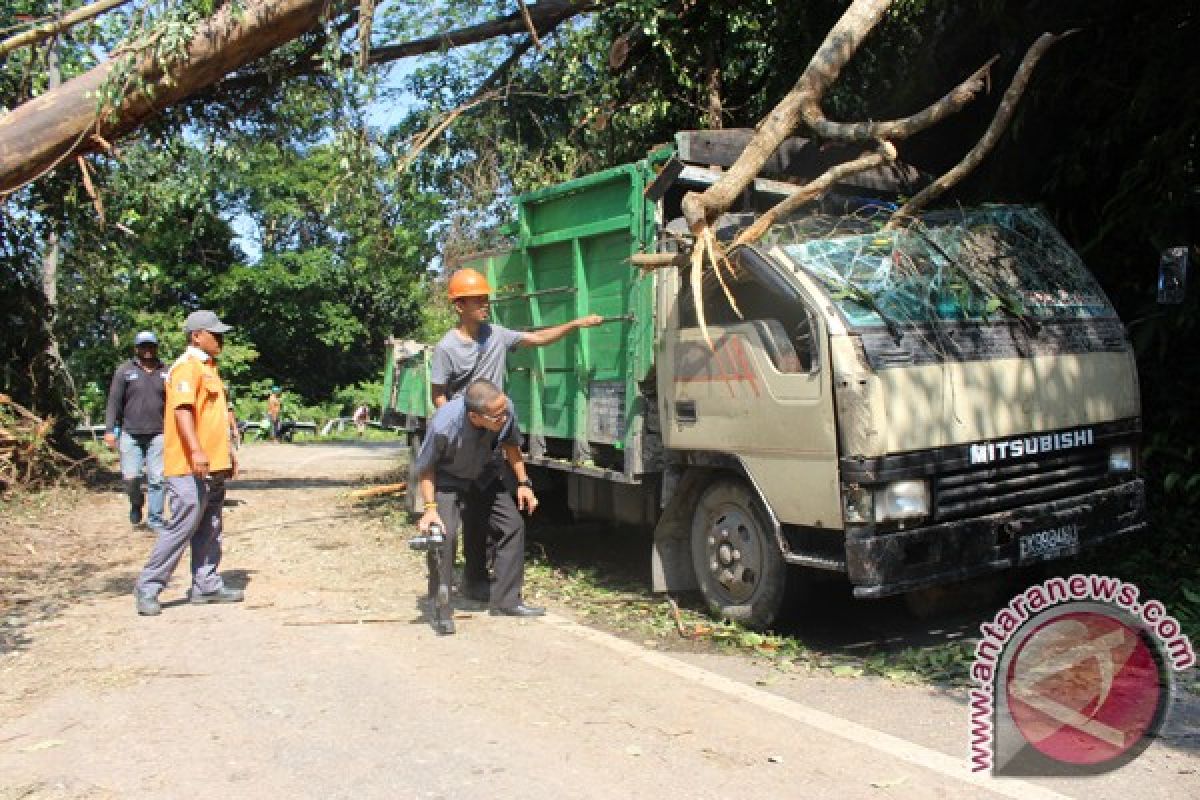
803, 105
837, 48
1004, 113
545, 14
950, 103
548, 15
884, 154
835, 51
43, 32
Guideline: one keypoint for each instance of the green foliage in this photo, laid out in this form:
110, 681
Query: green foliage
347, 398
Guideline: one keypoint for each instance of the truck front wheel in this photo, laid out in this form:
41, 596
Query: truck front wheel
738, 565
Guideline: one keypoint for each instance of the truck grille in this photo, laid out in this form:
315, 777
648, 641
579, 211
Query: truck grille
988, 489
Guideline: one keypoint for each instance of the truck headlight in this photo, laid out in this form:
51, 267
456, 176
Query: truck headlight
1120, 458
902, 500
857, 505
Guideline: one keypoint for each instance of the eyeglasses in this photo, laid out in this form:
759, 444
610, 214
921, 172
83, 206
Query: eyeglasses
503, 415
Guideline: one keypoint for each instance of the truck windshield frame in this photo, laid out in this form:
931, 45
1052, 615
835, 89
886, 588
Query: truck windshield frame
969, 265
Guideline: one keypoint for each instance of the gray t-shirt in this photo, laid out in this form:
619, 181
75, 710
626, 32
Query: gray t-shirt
460, 453
457, 362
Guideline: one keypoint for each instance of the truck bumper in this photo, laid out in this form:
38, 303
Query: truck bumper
881, 564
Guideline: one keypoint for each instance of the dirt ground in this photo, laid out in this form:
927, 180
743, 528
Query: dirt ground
289, 514
327, 683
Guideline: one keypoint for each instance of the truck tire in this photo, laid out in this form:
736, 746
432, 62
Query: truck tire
741, 572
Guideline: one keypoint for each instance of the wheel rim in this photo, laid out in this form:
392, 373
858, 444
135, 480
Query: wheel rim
733, 553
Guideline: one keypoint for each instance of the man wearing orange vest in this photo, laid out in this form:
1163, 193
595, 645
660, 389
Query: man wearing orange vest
198, 460
473, 350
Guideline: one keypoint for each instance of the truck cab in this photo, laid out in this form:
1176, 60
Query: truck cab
913, 407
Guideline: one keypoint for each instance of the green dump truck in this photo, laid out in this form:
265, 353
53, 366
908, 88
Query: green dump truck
908, 407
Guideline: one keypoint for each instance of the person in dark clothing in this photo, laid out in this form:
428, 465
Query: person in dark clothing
459, 482
133, 425
477, 349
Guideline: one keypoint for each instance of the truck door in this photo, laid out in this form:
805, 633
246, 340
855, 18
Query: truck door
762, 392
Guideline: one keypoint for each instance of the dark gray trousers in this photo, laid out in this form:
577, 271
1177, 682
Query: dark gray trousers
196, 519
491, 523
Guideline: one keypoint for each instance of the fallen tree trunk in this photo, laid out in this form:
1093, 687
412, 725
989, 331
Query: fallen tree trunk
66, 121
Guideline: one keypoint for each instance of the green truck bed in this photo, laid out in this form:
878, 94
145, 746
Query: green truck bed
578, 400
406, 402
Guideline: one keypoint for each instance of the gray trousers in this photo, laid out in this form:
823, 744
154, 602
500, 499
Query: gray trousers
491, 515
196, 519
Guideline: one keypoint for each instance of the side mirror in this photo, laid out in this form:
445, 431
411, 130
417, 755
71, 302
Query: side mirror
1172, 275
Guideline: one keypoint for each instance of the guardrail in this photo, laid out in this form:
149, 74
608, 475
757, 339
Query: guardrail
339, 424
88, 432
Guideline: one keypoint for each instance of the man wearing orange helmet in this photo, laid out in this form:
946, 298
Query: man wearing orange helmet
477, 348
473, 350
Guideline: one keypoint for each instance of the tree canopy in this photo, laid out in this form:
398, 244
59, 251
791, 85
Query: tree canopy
304, 189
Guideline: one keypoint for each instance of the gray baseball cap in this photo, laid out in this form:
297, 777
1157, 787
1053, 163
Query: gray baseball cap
205, 321
145, 337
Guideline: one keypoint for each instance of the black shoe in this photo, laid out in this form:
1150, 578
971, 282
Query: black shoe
519, 610
443, 627
221, 595
147, 604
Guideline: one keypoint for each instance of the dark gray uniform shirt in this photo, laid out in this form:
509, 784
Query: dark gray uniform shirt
458, 363
136, 399
460, 453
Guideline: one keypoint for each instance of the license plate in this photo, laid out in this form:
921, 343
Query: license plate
1052, 540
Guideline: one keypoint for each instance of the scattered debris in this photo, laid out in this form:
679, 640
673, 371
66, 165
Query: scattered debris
695, 632
378, 491
27, 458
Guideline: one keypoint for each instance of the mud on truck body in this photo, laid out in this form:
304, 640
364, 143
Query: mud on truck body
908, 407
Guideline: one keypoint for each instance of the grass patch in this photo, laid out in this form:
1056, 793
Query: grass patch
628, 609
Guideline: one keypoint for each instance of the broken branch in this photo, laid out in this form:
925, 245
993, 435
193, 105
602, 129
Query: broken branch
1003, 116
376, 491
886, 153
837, 48
950, 103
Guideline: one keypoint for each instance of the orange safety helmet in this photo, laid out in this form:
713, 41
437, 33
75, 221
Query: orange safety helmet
466, 282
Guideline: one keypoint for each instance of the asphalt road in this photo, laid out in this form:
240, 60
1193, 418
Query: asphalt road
326, 683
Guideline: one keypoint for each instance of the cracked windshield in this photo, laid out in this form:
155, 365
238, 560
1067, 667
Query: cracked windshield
960, 265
